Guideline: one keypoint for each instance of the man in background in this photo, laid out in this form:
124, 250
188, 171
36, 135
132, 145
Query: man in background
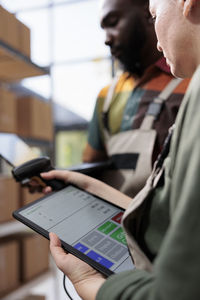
118, 122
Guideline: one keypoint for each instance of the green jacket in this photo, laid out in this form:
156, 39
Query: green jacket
173, 233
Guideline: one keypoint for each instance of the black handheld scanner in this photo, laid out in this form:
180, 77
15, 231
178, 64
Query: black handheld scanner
31, 170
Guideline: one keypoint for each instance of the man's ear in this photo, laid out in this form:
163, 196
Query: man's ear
187, 6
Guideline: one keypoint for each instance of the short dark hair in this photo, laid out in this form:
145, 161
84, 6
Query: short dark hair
142, 2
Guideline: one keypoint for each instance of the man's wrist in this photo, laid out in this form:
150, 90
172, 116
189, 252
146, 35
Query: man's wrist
89, 288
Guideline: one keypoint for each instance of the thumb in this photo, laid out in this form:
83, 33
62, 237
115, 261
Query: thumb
54, 240
58, 253
62, 175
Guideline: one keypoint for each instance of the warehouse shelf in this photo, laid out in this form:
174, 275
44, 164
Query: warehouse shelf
37, 142
16, 66
13, 228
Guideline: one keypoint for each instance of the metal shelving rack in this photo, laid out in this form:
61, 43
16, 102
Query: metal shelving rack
15, 66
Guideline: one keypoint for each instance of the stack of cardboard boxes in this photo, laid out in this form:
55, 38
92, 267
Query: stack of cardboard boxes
8, 111
26, 256
9, 266
14, 33
34, 118
26, 116
12, 197
22, 258
34, 297
9, 198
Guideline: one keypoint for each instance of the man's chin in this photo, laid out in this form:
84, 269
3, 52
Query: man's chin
128, 65
180, 74
135, 70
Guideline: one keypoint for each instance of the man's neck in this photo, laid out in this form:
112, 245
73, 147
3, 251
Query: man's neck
152, 71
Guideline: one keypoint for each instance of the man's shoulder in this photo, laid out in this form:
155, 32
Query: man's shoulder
103, 92
194, 85
160, 81
188, 121
193, 95
125, 82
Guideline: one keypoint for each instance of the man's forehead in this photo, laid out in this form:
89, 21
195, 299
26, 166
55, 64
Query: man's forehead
114, 4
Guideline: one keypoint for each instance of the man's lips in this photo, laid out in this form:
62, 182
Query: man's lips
167, 62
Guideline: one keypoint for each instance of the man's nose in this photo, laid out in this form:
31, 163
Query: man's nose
108, 39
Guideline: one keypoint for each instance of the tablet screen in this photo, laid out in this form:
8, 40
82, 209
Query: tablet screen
89, 224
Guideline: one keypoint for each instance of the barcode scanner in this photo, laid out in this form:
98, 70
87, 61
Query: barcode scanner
31, 170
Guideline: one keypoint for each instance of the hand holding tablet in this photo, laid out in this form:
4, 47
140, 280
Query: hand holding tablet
88, 227
86, 280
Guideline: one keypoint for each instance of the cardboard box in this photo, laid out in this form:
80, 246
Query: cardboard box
24, 39
9, 32
9, 266
26, 197
24, 120
37, 121
3, 24
13, 31
34, 297
8, 111
46, 121
42, 121
9, 198
34, 256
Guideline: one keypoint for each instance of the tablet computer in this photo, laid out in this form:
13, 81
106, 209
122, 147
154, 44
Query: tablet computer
89, 227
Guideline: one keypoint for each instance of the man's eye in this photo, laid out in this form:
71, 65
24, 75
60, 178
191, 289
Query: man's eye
113, 21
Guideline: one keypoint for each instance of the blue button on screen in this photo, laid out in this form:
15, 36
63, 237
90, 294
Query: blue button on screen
100, 259
81, 247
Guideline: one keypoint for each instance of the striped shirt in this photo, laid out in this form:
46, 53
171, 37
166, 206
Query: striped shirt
130, 103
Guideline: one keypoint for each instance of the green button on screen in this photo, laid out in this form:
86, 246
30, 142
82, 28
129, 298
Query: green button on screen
119, 236
107, 227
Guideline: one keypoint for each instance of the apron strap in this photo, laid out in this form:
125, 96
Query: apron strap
107, 103
155, 106
134, 214
110, 93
